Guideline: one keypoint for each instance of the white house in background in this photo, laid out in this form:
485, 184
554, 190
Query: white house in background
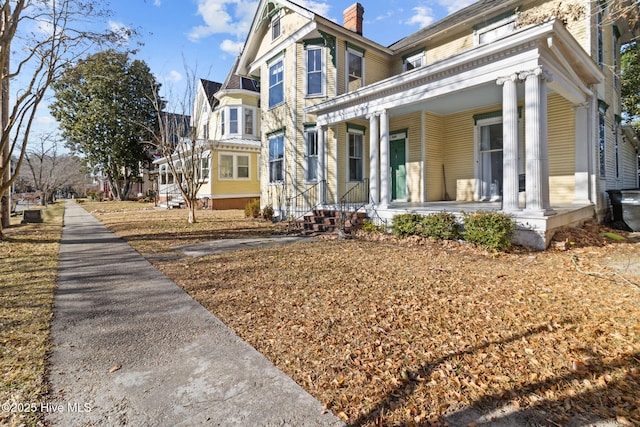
505, 105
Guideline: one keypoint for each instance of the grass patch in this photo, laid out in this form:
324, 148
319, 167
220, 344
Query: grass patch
28, 267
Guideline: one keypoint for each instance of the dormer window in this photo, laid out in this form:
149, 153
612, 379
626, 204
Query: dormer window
412, 61
496, 30
275, 27
237, 121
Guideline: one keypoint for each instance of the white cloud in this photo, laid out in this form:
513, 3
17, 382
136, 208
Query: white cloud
423, 16
157, 3
224, 17
320, 8
455, 5
231, 47
173, 77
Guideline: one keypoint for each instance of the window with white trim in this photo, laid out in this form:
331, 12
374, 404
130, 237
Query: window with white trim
275, 27
205, 131
495, 31
355, 69
311, 154
204, 169
414, 61
276, 83
233, 166
276, 158
233, 120
599, 35
355, 159
315, 70
248, 121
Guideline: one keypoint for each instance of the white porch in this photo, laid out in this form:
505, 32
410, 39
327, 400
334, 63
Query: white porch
523, 68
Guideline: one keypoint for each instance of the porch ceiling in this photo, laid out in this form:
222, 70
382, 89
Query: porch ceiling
463, 100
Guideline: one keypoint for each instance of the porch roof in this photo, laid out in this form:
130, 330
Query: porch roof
467, 80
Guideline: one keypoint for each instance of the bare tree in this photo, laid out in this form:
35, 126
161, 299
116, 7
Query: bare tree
38, 39
184, 142
50, 171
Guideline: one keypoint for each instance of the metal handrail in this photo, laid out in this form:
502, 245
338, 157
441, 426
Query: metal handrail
353, 200
306, 201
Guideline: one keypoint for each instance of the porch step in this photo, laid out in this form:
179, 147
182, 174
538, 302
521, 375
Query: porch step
326, 221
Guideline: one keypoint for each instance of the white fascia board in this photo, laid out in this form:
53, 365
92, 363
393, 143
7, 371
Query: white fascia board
292, 39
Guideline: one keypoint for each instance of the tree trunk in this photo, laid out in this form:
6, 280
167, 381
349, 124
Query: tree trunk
5, 156
191, 206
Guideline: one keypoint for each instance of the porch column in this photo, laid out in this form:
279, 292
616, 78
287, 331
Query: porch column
322, 172
510, 182
581, 194
374, 162
537, 157
384, 159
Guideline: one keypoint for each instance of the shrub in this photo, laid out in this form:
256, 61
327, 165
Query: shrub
370, 227
404, 225
252, 209
267, 213
440, 226
489, 230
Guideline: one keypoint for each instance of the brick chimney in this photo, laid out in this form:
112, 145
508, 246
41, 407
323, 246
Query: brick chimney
353, 18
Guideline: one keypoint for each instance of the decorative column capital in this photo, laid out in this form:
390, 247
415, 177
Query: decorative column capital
502, 80
536, 72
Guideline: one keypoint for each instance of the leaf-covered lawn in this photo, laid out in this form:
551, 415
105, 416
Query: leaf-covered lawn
411, 332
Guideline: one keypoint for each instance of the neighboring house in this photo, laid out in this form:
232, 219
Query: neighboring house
506, 105
226, 124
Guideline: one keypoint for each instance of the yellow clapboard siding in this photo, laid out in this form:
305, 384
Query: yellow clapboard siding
562, 149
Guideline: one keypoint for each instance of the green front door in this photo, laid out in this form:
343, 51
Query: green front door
398, 169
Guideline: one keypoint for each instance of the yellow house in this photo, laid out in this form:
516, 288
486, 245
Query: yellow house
503, 105
226, 123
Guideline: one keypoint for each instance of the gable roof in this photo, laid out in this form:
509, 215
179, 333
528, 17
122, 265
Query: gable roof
210, 89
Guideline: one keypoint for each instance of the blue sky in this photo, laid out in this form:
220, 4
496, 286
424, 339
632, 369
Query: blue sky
207, 35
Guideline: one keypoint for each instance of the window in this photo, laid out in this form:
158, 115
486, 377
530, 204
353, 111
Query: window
205, 131
355, 156
248, 121
222, 123
204, 169
276, 158
314, 71
602, 143
226, 166
311, 172
276, 90
355, 66
233, 121
599, 37
275, 27
234, 166
413, 61
496, 31
242, 169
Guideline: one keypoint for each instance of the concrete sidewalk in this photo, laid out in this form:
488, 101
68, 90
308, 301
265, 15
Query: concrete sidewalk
132, 348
